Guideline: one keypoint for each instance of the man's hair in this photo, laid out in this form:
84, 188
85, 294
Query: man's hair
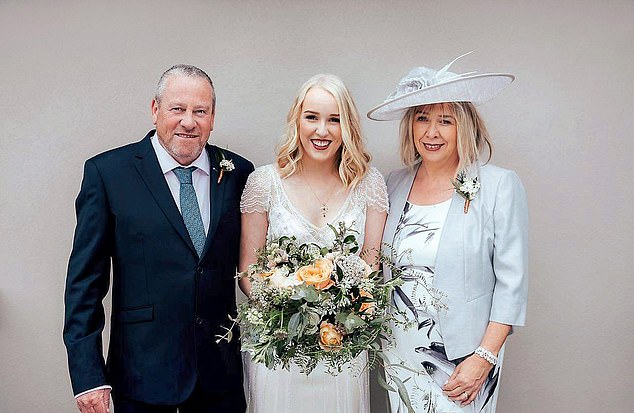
184, 70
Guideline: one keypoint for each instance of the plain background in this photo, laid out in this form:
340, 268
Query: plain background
76, 78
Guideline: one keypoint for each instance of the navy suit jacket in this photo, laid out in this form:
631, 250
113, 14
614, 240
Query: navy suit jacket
167, 304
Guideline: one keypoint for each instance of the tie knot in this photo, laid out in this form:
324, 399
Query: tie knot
184, 175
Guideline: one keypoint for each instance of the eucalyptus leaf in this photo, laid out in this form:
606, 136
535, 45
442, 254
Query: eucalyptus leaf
310, 293
402, 392
384, 384
353, 322
293, 324
341, 317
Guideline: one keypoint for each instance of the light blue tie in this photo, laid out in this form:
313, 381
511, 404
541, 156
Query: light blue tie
190, 209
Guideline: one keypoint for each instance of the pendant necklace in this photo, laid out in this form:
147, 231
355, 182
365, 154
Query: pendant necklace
324, 204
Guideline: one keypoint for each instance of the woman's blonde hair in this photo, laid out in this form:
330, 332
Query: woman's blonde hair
472, 134
353, 159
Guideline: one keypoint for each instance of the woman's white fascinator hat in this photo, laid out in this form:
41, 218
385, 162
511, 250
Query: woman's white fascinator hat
422, 86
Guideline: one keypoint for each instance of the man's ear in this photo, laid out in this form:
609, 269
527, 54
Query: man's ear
154, 111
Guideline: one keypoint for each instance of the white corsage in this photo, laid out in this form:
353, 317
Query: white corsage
226, 165
466, 187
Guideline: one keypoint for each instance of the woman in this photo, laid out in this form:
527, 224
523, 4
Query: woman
458, 229
321, 177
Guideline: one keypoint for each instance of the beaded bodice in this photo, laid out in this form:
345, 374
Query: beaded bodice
264, 192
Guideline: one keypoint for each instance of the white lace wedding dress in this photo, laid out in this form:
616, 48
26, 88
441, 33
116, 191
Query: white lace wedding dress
283, 391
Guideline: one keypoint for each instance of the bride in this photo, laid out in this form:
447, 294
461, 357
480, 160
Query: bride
321, 176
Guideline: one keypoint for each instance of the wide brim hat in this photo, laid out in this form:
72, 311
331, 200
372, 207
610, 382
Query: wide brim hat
423, 86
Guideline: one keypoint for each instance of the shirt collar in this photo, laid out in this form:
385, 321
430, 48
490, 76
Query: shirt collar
168, 163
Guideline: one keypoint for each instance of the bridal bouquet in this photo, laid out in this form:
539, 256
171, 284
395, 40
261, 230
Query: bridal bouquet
312, 303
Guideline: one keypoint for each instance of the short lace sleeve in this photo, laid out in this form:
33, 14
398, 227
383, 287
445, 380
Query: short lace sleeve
375, 190
256, 196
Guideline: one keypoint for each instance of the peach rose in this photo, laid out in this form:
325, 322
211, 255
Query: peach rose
367, 307
318, 274
330, 338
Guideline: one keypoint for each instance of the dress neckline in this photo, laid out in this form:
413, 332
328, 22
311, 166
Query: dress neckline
430, 206
296, 210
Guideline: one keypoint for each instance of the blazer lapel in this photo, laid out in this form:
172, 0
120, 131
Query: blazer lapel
398, 197
148, 167
450, 258
450, 255
216, 195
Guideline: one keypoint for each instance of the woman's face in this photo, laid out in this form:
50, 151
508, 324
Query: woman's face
436, 135
319, 128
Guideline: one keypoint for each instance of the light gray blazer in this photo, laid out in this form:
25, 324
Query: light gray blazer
481, 264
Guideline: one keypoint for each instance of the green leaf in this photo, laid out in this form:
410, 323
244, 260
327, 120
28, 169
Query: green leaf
404, 367
293, 324
310, 293
384, 384
402, 392
353, 322
339, 273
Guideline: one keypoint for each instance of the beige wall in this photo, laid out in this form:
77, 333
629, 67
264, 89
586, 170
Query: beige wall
76, 78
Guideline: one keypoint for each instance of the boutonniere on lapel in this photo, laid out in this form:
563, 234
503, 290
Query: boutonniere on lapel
225, 165
466, 187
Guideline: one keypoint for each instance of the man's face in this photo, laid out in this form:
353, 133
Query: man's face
184, 117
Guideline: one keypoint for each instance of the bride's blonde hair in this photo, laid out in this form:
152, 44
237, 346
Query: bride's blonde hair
353, 159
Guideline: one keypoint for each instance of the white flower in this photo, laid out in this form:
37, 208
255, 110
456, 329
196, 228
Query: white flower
467, 187
281, 279
227, 165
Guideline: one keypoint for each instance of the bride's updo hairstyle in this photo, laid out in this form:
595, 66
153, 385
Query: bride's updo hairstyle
353, 158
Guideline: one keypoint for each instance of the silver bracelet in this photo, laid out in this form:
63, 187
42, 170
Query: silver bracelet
486, 354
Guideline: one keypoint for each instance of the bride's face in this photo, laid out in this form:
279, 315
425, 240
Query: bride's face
319, 128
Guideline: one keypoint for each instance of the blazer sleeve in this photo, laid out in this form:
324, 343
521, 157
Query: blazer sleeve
510, 252
87, 284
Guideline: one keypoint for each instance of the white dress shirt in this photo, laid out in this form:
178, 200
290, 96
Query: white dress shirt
200, 180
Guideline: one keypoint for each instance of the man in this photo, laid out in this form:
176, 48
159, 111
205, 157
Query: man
165, 212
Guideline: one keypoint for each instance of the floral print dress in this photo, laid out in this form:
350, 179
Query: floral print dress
420, 347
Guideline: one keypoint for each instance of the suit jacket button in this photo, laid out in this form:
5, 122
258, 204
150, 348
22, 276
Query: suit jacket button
199, 320
199, 270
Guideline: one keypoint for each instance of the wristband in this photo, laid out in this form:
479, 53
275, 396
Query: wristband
486, 354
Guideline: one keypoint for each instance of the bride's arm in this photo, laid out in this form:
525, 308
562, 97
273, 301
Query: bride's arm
374, 225
252, 238
377, 205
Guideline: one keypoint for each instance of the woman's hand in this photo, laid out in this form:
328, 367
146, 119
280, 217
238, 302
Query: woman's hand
467, 379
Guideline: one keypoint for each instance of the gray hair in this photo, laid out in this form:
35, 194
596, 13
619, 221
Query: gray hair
188, 71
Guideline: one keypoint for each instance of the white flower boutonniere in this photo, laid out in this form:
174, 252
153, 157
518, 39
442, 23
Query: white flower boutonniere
226, 165
466, 187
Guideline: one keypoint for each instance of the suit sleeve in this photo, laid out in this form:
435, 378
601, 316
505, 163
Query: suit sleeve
510, 252
87, 283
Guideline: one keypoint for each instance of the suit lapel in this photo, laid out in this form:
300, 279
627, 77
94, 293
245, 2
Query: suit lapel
148, 167
216, 195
